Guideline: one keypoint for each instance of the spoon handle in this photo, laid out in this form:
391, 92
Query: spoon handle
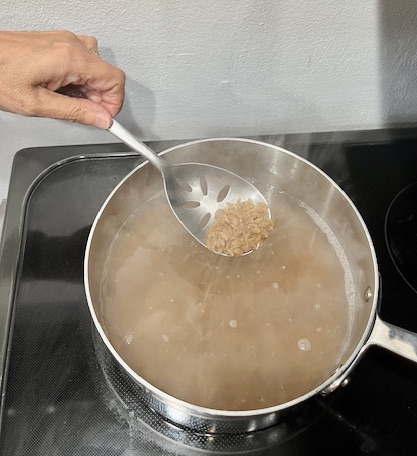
125, 136
74, 91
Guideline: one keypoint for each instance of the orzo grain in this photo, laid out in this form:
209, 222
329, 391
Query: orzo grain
239, 228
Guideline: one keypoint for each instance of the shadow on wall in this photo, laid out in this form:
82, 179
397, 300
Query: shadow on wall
398, 62
139, 124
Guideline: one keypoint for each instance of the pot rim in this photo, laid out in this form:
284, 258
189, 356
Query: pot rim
182, 405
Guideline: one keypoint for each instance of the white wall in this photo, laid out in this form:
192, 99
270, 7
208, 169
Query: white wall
202, 68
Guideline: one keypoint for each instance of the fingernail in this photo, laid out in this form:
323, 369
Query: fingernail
103, 120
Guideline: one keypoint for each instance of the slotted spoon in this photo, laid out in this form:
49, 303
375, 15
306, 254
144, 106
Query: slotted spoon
195, 191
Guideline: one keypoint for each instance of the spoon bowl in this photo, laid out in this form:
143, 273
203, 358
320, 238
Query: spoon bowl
195, 191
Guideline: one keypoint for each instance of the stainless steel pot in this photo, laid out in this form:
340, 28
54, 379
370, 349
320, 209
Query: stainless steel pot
267, 167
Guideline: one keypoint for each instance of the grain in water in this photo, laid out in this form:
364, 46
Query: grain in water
230, 333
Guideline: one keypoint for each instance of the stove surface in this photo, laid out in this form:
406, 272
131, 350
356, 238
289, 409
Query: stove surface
58, 400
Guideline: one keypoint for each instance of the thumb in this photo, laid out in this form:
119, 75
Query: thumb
80, 110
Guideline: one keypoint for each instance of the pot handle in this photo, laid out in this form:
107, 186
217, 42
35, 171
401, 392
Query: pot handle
393, 338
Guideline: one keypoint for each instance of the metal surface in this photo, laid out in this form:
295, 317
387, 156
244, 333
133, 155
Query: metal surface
268, 167
195, 191
134, 405
391, 337
2, 214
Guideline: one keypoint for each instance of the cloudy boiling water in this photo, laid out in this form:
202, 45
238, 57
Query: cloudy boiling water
227, 333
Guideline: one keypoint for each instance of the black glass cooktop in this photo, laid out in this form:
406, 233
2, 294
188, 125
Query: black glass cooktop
57, 399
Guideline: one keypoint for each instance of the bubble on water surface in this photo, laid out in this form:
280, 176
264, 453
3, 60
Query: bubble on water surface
304, 344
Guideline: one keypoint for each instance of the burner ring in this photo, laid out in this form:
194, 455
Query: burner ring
401, 233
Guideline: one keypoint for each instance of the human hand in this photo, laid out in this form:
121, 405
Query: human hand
34, 65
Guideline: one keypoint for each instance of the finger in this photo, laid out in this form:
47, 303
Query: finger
112, 98
103, 85
79, 110
106, 87
90, 42
101, 81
